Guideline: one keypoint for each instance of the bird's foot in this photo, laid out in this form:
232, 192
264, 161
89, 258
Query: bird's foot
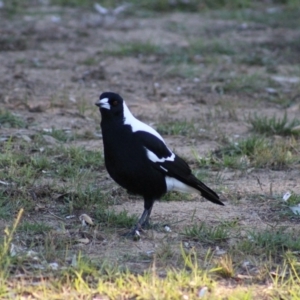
135, 233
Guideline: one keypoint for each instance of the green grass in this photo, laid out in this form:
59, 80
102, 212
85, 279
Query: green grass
33, 228
115, 220
208, 234
294, 199
5, 205
284, 18
7, 120
73, 3
247, 84
61, 135
185, 128
194, 5
82, 196
275, 241
163, 5
60, 162
80, 277
176, 56
273, 125
255, 151
89, 61
55, 183
133, 49
175, 196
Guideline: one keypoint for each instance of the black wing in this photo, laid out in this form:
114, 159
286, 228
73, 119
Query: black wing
174, 166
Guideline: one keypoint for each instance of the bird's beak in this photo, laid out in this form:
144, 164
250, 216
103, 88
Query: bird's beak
103, 103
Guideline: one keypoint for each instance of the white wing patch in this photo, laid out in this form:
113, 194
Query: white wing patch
175, 185
153, 157
137, 125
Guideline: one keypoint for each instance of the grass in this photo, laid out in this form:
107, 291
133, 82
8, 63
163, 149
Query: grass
73, 3
113, 219
256, 151
294, 199
80, 274
8, 120
89, 61
81, 277
174, 55
60, 135
185, 128
33, 228
207, 234
285, 18
275, 241
133, 49
56, 257
163, 5
247, 84
273, 125
60, 162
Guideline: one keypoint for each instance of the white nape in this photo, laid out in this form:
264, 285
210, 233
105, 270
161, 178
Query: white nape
137, 125
175, 185
153, 157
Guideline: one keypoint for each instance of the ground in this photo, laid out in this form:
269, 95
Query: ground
221, 86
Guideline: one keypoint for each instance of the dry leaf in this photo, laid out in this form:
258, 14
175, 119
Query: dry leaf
86, 220
84, 241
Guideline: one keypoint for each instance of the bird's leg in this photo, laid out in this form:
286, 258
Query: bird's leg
146, 222
144, 219
141, 222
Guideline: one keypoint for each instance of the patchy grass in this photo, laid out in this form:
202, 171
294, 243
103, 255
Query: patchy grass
90, 61
60, 135
294, 199
175, 196
258, 152
185, 128
133, 49
73, 3
208, 234
194, 5
61, 162
245, 83
33, 228
8, 119
274, 241
284, 17
224, 70
274, 125
110, 218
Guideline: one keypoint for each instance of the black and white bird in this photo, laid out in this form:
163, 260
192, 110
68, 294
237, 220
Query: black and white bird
138, 159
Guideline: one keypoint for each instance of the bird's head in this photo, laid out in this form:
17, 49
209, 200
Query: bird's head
110, 104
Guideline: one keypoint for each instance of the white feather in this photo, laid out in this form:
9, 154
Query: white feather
137, 125
153, 157
175, 185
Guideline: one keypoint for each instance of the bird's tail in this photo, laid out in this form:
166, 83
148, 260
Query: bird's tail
206, 192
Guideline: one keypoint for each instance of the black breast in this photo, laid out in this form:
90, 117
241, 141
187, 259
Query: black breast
127, 163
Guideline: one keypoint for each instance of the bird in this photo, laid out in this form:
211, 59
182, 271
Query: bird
137, 158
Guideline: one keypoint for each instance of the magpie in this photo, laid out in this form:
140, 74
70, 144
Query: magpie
138, 159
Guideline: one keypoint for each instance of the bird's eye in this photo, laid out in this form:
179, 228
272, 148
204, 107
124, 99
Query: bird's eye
115, 103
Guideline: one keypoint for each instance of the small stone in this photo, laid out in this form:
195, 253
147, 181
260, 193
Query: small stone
50, 139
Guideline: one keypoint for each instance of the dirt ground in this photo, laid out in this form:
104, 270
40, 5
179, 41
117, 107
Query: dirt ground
55, 63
